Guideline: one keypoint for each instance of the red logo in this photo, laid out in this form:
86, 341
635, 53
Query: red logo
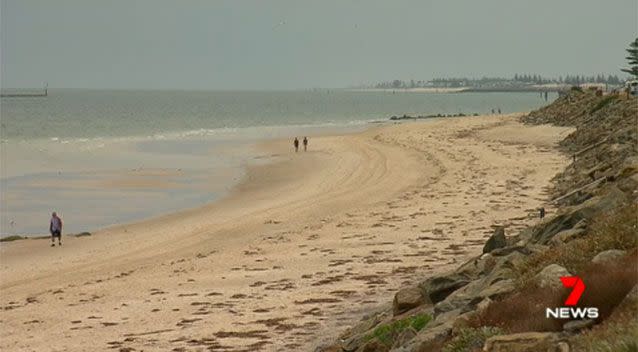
569, 311
578, 287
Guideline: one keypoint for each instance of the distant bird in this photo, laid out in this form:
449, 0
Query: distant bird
279, 24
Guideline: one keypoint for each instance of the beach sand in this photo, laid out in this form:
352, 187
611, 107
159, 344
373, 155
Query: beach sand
294, 253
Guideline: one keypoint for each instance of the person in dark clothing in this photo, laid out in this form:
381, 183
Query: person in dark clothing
305, 144
55, 227
296, 144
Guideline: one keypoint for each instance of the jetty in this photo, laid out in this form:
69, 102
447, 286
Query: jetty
25, 94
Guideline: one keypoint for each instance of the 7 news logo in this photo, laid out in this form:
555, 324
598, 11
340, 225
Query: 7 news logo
570, 311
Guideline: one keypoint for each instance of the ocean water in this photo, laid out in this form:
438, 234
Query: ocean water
94, 113
106, 157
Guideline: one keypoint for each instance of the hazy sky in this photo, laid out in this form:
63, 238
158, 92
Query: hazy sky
207, 44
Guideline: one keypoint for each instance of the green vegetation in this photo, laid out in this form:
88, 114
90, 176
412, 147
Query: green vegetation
387, 333
471, 339
632, 59
11, 238
603, 102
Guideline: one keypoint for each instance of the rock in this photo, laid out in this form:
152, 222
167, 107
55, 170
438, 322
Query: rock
373, 345
608, 255
83, 234
497, 240
427, 337
522, 342
437, 288
482, 306
576, 325
568, 218
406, 299
445, 317
329, 348
475, 267
562, 347
352, 339
499, 252
497, 283
498, 289
629, 303
462, 321
566, 236
404, 337
581, 224
550, 276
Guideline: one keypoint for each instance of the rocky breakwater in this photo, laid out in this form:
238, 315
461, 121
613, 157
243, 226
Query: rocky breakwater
497, 300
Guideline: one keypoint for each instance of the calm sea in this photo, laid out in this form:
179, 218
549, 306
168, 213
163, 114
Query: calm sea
95, 113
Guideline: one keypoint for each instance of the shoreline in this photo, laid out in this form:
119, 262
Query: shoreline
301, 240
207, 169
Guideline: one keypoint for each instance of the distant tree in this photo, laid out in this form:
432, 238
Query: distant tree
632, 59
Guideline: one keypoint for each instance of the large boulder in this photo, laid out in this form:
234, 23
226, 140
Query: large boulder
498, 283
404, 337
577, 325
523, 342
427, 337
566, 236
550, 276
497, 240
406, 299
437, 288
608, 255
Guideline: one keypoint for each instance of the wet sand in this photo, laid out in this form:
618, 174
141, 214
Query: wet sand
298, 249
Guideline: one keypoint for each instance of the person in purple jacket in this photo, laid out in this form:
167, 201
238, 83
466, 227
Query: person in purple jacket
55, 227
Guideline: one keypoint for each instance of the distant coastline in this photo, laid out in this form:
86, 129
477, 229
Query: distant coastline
523, 89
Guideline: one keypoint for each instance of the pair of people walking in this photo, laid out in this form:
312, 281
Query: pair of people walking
296, 144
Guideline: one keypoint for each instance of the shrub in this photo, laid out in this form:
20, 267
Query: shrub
522, 311
608, 283
471, 339
387, 333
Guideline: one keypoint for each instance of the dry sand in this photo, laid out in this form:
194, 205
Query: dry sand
293, 254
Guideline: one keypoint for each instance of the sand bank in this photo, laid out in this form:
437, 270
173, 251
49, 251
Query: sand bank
301, 245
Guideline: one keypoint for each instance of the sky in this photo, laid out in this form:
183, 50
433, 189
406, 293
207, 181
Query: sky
297, 44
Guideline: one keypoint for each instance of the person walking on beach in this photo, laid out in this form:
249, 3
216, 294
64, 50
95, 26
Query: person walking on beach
55, 227
296, 144
305, 144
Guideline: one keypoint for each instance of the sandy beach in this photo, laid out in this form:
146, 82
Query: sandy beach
297, 249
